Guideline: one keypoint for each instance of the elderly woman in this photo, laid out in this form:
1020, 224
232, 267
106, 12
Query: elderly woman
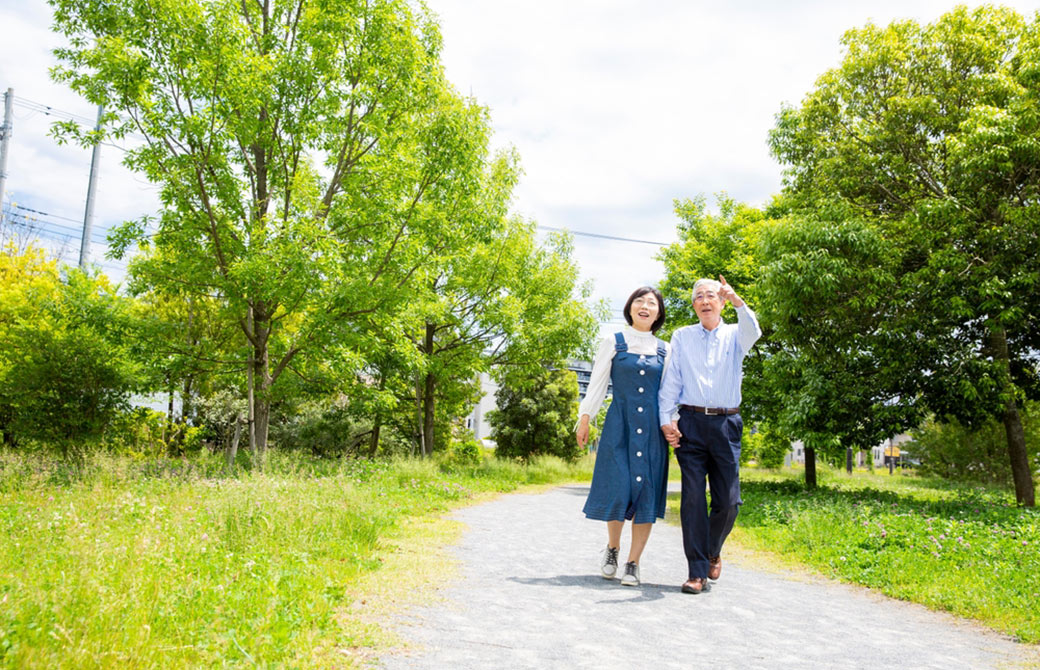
629, 481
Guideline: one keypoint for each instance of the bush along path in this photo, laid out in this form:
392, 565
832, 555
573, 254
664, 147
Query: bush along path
527, 594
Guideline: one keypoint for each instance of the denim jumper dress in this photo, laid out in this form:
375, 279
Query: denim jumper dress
631, 473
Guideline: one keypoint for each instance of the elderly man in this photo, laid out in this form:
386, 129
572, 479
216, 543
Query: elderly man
702, 382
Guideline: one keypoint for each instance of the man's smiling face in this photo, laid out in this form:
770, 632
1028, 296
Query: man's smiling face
708, 306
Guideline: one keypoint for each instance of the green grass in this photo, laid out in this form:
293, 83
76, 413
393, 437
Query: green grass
968, 551
169, 565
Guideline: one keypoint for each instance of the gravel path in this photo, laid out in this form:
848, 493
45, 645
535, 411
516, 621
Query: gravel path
529, 595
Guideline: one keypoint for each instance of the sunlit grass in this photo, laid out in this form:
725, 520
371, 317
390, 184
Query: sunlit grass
169, 565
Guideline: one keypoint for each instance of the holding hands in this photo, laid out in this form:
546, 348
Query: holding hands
671, 433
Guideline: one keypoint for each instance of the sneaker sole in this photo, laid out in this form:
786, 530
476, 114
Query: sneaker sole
624, 583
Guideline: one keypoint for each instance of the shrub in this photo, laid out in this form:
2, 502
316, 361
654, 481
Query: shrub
66, 370
536, 416
326, 427
464, 449
953, 451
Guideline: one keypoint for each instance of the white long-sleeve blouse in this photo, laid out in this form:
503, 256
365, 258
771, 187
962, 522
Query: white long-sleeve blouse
638, 343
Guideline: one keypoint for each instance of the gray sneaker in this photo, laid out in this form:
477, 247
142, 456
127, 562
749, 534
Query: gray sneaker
609, 566
631, 576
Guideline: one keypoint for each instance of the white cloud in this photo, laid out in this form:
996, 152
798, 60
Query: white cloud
617, 108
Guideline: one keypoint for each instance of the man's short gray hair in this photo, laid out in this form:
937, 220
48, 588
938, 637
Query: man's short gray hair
709, 284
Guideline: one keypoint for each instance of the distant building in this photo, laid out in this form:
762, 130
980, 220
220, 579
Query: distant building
892, 446
877, 454
477, 421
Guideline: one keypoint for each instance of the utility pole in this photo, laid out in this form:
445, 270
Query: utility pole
88, 213
5, 139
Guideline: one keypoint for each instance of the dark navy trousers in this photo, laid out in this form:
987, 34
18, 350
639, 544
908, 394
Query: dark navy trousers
709, 448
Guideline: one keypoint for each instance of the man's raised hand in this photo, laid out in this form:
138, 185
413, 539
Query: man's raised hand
727, 293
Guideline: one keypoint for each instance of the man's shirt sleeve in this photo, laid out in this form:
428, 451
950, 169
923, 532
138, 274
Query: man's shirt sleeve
748, 330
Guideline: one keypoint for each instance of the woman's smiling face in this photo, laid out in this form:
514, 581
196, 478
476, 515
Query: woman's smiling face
644, 312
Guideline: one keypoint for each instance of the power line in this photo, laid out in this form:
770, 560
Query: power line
40, 108
53, 216
52, 231
605, 237
98, 236
48, 110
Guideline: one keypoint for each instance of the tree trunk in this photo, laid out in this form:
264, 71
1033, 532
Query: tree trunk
373, 439
427, 393
169, 406
261, 405
810, 468
186, 403
418, 442
260, 383
377, 424
428, 414
250, 393
232, 448
1016, 437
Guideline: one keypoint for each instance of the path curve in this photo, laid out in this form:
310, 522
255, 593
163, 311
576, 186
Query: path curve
528, 595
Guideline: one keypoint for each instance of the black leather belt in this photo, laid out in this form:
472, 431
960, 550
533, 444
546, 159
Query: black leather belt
711, 411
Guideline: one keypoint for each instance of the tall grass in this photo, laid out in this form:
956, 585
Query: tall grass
170, 564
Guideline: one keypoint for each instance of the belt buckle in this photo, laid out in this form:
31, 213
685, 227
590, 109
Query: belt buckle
713, 411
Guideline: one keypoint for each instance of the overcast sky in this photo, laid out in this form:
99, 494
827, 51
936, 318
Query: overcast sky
616, 108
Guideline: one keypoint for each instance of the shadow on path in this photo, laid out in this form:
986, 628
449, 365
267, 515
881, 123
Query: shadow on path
644, 592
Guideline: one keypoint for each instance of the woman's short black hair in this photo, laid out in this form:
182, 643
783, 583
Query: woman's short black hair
643, 290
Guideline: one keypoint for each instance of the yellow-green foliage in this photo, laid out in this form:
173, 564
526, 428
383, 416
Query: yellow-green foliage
66, 369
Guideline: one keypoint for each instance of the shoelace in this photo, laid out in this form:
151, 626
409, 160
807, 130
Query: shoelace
612, 555
630, 569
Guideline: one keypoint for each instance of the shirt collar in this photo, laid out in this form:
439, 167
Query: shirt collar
704, 332
632, 332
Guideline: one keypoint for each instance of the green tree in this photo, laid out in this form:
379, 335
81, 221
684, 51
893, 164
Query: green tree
930, 130
189, 345
27, 280
509, 307
309, 157
838, 363
536, 415
66, 367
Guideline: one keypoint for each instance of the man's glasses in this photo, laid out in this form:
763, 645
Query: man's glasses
707, 295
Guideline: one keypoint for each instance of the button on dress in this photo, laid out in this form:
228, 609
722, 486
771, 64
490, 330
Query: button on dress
630, 478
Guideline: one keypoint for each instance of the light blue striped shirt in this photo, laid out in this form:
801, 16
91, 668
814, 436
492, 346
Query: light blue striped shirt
707, 366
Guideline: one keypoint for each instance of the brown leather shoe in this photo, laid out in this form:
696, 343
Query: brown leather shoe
714, 568
695, 585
